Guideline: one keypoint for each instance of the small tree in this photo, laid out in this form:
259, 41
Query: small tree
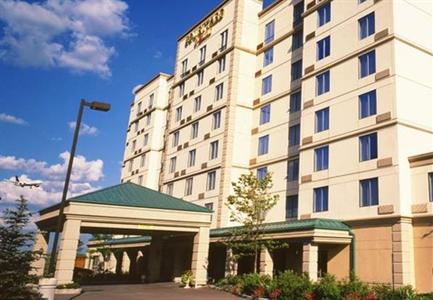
249, 206
16, 254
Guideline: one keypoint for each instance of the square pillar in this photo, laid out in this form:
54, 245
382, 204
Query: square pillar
231, 268
200, 252
41, 245
154, 262
67, 251
310, 257
403, 253
266, 263
125, 262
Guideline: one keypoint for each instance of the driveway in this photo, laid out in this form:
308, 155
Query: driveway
160, 291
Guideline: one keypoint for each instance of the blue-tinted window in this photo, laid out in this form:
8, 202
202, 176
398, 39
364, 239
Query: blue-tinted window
367, 104
297, 70
261, 172
367, 63
322, 119
323, 48
298, 9
324, 14
294, 135
265, 114
369, 192
366, 26
322, 82
321, 158
295, 102
269, 32
267, 85
263, 145
368, 147
291, 207
293, 170
320, 199
297, 39
430, 185
268, 57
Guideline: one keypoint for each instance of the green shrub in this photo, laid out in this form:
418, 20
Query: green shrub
327, 289
251, 282
73, 285
292, 286
353, 289
386, 292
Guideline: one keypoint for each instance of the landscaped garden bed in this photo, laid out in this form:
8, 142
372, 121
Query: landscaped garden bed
291, 286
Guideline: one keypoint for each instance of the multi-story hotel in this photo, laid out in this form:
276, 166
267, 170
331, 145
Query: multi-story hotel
334, 98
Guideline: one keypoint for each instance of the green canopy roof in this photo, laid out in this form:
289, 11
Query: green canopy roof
127, 240
134, 195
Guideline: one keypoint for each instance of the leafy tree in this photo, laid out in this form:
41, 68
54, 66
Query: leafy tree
16, 254
249, 206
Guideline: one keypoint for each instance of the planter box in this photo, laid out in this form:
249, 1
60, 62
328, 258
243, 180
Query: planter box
68, 291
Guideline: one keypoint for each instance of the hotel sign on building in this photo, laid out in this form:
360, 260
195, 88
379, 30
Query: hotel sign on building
204, 30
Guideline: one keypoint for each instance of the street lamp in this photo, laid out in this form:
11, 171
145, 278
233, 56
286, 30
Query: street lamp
95, 105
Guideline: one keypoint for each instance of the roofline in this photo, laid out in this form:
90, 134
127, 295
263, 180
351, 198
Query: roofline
270, 7
161, 74
420, 157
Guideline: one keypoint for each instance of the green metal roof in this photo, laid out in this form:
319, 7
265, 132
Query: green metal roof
127, 240
286, 226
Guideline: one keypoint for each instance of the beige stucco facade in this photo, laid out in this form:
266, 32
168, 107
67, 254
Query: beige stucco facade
213, 105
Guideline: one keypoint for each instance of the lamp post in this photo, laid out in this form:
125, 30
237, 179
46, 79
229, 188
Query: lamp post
101, 106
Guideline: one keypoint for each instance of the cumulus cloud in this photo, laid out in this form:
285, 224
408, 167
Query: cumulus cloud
85, 129
11, 119
56, 33
157, 54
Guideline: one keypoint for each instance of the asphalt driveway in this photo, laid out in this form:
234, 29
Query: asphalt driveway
160, 291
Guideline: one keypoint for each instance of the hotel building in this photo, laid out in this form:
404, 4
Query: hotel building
334, 98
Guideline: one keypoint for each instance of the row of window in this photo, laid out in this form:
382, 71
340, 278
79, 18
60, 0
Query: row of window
210, 185
150, 103
145, 142
213, 154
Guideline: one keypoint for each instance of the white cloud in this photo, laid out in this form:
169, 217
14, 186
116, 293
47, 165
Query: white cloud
85, 129
56, 33
157, 54
11, 119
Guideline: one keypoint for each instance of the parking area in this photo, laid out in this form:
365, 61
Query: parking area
160, 291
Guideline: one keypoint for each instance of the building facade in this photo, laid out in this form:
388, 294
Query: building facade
332, 97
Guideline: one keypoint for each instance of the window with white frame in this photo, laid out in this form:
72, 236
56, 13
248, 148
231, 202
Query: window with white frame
188, 186
197, 103
221, 64
175, 141
213, 150
216, 122
219, 91
202, 55
211, 180
191, 158
194, 130
200, 77
172, 167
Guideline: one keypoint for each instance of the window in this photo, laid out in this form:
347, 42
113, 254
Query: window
323, 48
175, 139
184, 66
140, 179
216, 122
430, 185
267, 85
222, 64
263, 145
134, 145
368, 147
211, 179
202, 55
366, 26
213, 150
367, 104
269, 32
265, 114
361, 1
188, 186
293, 170
146, 139
209, 206
297, 70
261, 173
148, 119
219, 91
130, 165
139, 107
172, 167
322, 83
369, 192
151, 97
321, 157
322, 119
324, 14
320, 199
181, 89
295, 102
200, 78
194, 130
169, 190
191, 158
294, 135
291, 207
298, 9
197, 104
268, 57
143, 160
135, 126
367, 64
178, 113
224, 37
297, 39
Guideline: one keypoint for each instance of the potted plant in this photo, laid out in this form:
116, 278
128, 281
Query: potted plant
187, 279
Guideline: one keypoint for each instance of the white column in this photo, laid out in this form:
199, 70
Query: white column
200, 252
266, 263
231, 268
310, 256
41, 245
125, 263
67, 251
